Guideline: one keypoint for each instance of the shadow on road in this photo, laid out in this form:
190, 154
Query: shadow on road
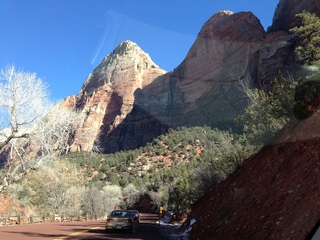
147, 229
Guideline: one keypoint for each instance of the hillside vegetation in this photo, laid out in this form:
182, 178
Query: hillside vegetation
173, 171
184, 163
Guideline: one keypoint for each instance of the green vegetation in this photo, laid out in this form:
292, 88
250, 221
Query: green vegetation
307, 99
308, 37
174, 170
307, 93
180, 166
268, 111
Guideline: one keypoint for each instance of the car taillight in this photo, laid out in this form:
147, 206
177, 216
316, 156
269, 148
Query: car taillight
109, 219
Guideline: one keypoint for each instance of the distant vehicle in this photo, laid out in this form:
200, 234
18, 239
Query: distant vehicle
119, 220
135, 215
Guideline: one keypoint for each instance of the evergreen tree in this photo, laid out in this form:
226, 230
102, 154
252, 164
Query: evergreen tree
268, 111
308, 37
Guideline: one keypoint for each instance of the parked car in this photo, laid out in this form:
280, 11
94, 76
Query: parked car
135, 215
119, 220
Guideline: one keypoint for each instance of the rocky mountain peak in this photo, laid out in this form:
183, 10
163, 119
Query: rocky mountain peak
128, 51
108, 94
127, 47
126, 57
218, 16
226, 12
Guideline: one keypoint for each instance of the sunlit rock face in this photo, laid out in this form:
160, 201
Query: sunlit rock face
128, 67
107, 96
129, 100
284, 16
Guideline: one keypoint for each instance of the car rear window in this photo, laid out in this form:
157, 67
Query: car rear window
119, 213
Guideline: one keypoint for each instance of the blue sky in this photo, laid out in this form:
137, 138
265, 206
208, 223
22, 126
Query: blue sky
64, 40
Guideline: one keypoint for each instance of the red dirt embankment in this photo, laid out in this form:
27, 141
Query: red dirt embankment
274, 195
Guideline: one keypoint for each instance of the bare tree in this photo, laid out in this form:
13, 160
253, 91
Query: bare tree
72, 206
23, 101
93, 202
47, 139
32, 129
131, 193
54, 130
97, 203
112, 196
53, 185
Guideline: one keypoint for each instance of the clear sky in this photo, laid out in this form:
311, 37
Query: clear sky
64, 40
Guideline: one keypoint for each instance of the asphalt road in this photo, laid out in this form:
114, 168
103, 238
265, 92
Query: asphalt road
93, 230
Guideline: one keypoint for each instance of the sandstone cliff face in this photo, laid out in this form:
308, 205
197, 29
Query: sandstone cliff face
284, 16
205, 89
129, 100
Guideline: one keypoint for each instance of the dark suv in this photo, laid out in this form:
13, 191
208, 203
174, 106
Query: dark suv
135, 215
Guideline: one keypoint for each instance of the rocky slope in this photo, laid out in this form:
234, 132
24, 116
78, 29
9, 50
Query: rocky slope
274, 195
129, 100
